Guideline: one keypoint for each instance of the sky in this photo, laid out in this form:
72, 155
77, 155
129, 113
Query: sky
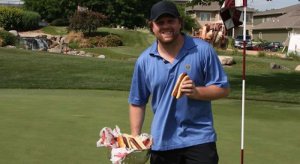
263, 5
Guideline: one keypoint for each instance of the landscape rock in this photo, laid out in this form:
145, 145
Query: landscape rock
14, 32
10, 46
55, 50
81, 53
277, 66
226, 60
89, 55
297, 68
101, 56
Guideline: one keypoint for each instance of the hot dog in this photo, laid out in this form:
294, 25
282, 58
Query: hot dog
129, 141
121, 142
177, 91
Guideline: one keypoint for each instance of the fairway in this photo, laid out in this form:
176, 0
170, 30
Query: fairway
62, 126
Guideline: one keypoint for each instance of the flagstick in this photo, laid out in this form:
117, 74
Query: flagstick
244, 81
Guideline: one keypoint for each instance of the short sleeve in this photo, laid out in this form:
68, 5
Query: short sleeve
214, 72
139, 92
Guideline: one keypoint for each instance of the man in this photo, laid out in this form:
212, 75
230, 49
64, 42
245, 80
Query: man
182, 129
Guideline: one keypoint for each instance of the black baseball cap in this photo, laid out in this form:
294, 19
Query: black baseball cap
164, 7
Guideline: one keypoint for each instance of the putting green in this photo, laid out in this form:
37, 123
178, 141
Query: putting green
62, 126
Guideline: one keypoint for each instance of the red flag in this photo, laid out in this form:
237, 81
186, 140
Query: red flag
231, 13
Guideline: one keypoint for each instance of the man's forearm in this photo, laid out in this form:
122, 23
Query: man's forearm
136, 116
211, 92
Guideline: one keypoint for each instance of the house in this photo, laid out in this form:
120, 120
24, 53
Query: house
210, 14
14, 3
277, 24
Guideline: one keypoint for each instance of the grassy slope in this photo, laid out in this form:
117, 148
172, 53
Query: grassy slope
26, 69
263, 83
62, 126
134, 43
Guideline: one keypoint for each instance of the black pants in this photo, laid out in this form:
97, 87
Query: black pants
198, 154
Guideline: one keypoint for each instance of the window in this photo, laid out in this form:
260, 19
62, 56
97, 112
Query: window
204, 16
248, 18
260, 35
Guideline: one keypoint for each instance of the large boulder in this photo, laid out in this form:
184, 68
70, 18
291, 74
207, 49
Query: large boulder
297, 68
226, 60
14, 32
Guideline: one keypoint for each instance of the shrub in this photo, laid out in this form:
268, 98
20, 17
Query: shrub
30, 20
112, 41
74, 44
12, 18
85, 44
95, 41
86, 21
77, 40
74, 36
60, 22
7, 38
106, 41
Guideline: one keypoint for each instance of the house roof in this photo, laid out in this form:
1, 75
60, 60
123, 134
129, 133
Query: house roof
277, 11
214, 6
289, 19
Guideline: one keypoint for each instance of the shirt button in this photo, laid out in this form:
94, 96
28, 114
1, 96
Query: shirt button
172, 75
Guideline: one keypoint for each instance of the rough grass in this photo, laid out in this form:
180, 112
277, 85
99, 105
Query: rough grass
27, 69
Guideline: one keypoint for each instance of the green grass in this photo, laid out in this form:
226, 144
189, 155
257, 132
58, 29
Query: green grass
27, 69
53, 30
134, 42
263, 83
62, 126
53, 106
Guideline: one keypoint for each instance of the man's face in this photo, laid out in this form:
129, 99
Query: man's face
166, 29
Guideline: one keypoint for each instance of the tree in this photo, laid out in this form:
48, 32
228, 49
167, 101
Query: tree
52, 9
128, 13
86, 21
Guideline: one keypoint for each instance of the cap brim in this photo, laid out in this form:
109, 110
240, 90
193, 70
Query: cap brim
164, 13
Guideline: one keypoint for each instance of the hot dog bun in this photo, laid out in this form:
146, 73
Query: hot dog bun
121, 142
179, 93
133, 142
176, 90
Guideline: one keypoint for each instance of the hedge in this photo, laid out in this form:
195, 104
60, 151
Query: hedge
12, 18
7, 38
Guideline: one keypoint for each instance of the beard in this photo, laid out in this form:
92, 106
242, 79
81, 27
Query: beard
167, 37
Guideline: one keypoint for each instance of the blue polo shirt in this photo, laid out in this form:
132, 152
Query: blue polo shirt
177, 123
